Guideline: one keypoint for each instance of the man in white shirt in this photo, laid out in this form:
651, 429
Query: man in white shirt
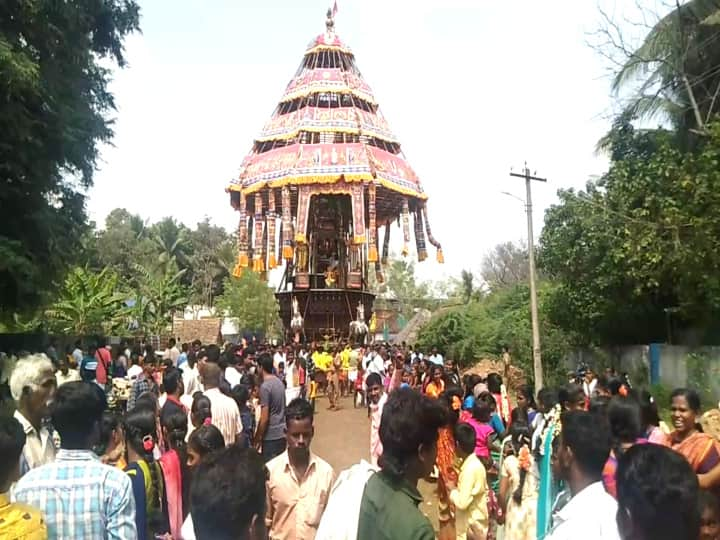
33, 386
172, 352
77, 353
279, 356
64, 374
584, 449
436, 357
225, 412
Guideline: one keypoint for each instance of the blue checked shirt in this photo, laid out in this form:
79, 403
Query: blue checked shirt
81, 498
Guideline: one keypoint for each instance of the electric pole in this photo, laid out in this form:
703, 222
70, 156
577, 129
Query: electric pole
537, 358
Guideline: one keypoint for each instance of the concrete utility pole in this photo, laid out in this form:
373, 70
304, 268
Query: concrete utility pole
537, 359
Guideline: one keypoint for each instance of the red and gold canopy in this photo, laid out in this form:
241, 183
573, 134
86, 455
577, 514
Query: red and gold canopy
327, 132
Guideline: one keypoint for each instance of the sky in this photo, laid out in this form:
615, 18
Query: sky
471, 88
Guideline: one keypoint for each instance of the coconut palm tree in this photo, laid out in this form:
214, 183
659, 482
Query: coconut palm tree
675, 72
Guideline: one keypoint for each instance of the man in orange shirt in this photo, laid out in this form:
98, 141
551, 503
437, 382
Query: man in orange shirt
299, 482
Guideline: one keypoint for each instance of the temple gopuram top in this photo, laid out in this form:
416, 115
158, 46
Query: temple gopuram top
324, 176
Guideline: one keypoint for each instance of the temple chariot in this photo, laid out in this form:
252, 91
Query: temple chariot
320, 191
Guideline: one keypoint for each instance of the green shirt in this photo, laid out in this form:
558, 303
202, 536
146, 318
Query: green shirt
389, 511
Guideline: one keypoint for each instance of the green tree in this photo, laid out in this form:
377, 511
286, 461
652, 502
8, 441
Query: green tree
122, 244
212, 254
172, 243
501, 318
157, 296
249, 300
54, 73
402, 287
674, 71
642, 239
87, 303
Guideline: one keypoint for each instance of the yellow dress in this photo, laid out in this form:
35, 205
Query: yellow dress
20, 522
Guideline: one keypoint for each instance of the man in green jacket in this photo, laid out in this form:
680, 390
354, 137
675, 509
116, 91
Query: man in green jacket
408, 431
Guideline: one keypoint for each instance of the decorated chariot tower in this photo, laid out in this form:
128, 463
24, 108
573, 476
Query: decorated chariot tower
320, 192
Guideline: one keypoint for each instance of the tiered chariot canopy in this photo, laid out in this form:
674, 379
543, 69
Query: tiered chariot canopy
329, 170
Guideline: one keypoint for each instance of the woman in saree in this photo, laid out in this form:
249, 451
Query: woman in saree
445, 462
700, 449
518, 486
549, 487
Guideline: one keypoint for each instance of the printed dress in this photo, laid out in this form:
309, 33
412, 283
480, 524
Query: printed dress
520, 519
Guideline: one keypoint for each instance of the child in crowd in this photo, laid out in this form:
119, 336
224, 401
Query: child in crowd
112, 446
470, 495
241, 394
359, 386
281, 373
518, 486
709, 516
151, 511
203, 441
480, 421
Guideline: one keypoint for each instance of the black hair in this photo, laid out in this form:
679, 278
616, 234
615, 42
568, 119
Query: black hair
659, 490
12, 441
465, 437
548, 397
625, 421
176, 428
599, 406
527, 391
148, 401
446, 398
206, 439
211, 353
373, 379
298, 409
650, 416
520, 436
708, 500
140, 427
570, 393
172, 378
588, 439
201, 409
172, 342
241, 394
614, 385
484, 407
602, 383
494, 383
409, 420
109, 423
690, 395
228, 492
265, 361
76, 412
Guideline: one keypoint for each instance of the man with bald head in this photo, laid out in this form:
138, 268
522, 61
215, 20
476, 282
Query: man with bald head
223, 409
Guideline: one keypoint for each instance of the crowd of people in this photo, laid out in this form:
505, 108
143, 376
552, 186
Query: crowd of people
210, 443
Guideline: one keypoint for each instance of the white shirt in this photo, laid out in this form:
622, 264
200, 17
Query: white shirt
134, 371
376, 365
436, 359
589, 514
39, 447
72, 375
225, 415
279, 357
232, 376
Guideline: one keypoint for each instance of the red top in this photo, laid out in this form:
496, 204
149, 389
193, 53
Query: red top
104, 359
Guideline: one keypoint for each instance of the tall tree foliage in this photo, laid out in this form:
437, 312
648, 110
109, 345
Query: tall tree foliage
53, 112
675, 70
249, 300
505, 265
87, 303
641, 242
